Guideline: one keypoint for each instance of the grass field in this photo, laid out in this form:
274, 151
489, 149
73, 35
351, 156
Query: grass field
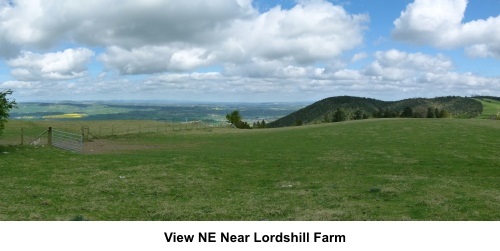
491, 108
388, 169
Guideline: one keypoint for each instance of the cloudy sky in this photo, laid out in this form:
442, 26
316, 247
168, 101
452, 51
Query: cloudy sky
251, 51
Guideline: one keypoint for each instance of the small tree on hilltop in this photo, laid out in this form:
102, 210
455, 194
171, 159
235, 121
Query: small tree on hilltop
5, 106
235, 119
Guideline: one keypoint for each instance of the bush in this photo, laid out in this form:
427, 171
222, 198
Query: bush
339, 115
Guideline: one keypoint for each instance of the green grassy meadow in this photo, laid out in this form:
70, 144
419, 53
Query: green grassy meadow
384, 169
491, 108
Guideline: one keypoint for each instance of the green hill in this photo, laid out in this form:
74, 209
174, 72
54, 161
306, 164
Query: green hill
491, 107
359, 108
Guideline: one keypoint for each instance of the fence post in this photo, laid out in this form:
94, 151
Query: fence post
22, 136
49, 136
83, 140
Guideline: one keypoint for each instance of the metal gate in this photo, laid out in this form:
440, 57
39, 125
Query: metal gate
65, 140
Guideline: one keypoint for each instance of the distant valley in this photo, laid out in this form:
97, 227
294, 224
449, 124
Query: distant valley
211, 113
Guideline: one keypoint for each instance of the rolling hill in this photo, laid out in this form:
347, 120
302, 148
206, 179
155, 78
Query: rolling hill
358, 107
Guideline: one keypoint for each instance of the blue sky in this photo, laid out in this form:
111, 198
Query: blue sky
251, 51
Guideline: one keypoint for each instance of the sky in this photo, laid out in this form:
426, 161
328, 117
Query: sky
248, 50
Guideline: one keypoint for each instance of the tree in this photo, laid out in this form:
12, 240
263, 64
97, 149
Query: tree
431, 113
358, 114
407, 112
5, 106
339, 116
443, 114
235, 119
259, 124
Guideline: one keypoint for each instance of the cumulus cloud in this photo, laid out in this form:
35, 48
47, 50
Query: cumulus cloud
311, 31
256, 45
398, 65
279, 54
68, 64
153, 59
359, 56
439, 23
157, 36
393, 74
128, 23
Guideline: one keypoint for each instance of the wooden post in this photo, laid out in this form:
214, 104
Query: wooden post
22, 136
49, 136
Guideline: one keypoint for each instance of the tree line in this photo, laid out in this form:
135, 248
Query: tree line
343, 108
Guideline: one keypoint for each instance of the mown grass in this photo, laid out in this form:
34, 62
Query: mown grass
394, 169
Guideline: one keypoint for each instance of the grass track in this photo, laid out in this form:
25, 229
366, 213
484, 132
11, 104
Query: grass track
394, 169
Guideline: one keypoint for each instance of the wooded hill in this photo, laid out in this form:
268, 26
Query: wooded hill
349, 108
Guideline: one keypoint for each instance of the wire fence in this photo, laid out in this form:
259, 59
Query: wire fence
107, 129
21, 132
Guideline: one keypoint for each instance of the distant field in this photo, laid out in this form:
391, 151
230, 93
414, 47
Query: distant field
66, 116
386, 169
213, 113
491, 108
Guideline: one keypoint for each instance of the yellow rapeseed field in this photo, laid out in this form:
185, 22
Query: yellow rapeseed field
66, 116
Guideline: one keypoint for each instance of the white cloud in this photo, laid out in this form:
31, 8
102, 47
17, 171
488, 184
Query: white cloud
128, 23
439, 23
483, 50
281, 54
311, 31
359, 56
153, 59
257, 45
68, 64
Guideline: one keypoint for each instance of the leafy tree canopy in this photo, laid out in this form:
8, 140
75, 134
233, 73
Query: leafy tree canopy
5, 106
235, 119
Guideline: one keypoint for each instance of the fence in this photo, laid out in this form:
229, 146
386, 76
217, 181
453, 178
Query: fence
60, 139
19, 132
102, 129
65, 140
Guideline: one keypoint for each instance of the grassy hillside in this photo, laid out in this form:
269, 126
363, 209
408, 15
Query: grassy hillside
323, 111
491, 107
387, 169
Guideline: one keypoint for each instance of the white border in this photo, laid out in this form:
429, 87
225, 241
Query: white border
123, 236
